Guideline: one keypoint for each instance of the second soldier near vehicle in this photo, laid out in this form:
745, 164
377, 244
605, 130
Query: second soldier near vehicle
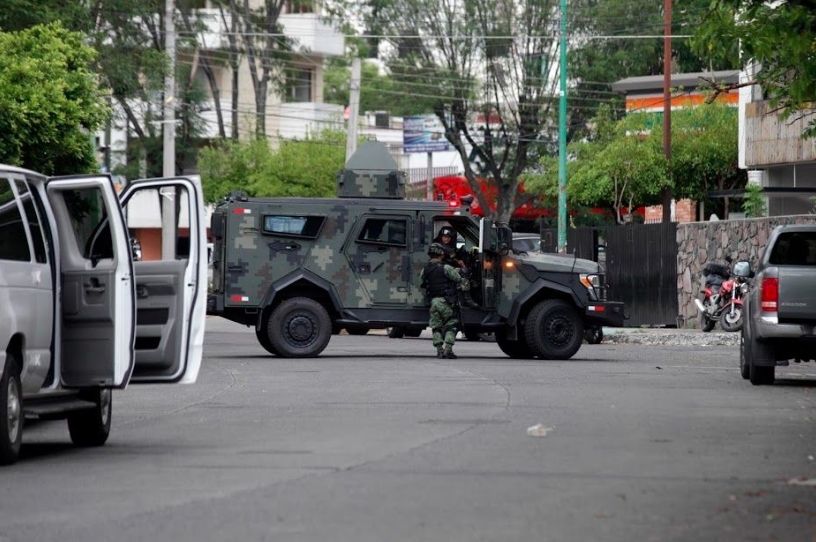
455, 256
440, 282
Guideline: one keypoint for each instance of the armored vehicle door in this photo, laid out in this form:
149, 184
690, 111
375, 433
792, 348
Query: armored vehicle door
379, 257
171, 279
97, 290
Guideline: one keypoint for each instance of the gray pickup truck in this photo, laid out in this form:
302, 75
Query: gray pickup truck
780, 308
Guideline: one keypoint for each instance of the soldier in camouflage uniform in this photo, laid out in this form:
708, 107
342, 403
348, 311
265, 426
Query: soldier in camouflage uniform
455, 257
440, 281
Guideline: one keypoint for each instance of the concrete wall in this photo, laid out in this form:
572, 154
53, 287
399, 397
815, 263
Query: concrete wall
700, 242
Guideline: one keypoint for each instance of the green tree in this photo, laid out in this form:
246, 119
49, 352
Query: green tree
753, 203
779, 37
617, 45
621, 164
50, 100
299, 168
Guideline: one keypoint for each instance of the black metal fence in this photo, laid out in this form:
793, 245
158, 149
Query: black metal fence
640, 261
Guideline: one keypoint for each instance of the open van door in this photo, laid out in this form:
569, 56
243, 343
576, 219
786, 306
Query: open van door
170, 277
96, 281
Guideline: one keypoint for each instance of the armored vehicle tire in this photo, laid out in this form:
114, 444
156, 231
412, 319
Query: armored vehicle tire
413, 332
299, 327
357, 330
514, 349
11, 413
473, 336
91, 427
396, 332
554, 329
263, 340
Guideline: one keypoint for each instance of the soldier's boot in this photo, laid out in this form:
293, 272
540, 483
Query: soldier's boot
440, 352
467, 301
448, 353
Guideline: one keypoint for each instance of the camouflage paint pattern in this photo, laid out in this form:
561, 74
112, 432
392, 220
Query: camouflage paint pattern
371, 184
443, 322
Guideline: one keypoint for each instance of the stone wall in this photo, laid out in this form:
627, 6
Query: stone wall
700, 242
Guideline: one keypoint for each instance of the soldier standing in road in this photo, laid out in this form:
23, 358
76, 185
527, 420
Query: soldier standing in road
455, 257
440, 281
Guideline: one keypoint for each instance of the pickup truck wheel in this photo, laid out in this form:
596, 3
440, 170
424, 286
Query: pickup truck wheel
762, 376
745, 356
11, 413
91, 427
299, 327
514, 349
554, 330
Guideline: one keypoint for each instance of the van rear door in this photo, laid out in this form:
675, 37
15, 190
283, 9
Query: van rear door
171, 278
96, 282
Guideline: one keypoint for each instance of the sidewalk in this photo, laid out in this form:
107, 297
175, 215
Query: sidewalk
669, 336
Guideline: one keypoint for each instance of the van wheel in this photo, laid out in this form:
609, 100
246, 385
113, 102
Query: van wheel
11, 413
554, 330
514, 349
299, 327
91, 427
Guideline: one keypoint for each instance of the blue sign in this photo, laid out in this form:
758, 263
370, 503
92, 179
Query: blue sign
423, 133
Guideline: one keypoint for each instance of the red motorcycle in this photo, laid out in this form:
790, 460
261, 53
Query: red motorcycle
722, 299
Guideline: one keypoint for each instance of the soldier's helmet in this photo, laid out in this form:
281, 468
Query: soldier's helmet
436, 249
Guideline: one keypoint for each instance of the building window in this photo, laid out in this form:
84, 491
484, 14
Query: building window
299, 85
299, 6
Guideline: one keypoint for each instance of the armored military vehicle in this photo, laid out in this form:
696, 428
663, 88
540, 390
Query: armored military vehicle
301, 269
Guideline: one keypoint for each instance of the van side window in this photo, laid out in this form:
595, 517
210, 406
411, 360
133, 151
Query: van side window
89, 222
13, 238
34, 220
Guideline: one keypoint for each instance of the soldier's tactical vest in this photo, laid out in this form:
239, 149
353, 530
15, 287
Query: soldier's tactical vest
437, 284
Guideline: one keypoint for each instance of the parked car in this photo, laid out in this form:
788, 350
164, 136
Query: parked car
780, 308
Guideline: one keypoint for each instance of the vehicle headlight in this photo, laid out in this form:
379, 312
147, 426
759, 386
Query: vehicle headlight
592, 283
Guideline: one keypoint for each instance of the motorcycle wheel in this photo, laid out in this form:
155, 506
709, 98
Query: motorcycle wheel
706, 323
732, 322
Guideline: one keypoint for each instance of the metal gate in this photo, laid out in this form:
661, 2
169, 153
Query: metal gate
640, 261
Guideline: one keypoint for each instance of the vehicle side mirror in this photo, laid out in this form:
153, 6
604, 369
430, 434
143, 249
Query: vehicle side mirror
742, 269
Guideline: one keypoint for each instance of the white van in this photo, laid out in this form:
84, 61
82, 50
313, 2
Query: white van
78, 316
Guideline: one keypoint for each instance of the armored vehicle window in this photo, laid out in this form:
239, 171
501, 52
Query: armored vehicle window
390, 231
300, 226
13, 238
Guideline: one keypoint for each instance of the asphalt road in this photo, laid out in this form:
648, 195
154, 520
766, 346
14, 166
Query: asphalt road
377, 440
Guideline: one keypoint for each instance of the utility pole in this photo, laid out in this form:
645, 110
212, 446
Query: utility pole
562, 131
354, 108
168, 202
667, 192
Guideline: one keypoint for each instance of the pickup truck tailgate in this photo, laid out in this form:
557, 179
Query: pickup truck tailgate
797, 295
